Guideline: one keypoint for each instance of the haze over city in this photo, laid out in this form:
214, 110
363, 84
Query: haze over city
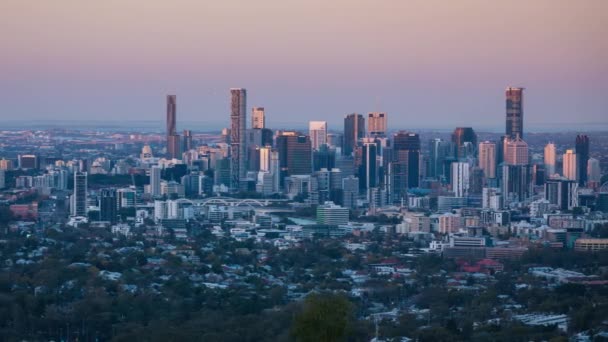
423, 62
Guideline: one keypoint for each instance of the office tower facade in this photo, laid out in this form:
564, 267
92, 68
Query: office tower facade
350, 192
440, 151
324, 158
155, 181
460, 178
294, 154
79, 197
465, 142
318, 134
549, 159
265, 154
108, 206
594, 172
376, 124
258, 118
2, 179
516, 152
515, 112
406, 150
562, 192
487, 158
368, 170
570, 165
187, 141
516, 182
173, 139
582, 157
354, 129
238, 121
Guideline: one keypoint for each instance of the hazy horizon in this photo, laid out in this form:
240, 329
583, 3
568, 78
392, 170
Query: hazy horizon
425, 63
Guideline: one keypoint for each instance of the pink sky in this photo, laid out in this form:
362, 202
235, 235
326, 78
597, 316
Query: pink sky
445, 60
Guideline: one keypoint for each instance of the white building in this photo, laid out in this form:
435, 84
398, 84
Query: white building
318, 134
549, 159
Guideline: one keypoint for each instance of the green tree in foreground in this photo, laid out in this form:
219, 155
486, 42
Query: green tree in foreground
324, 317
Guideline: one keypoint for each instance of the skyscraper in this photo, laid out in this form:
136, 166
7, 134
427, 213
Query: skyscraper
318, 134
368, 170
570, 165
515, 112
108, 205
549, 160
465, 142
79, 197
594, 172
171, 114
155, 181
487, 158
440, 151
258, 119
187, 141
582, 157
515, 152
238, 125
376, 124
294, 154
406, 149
460, 178
173, 139
354, 129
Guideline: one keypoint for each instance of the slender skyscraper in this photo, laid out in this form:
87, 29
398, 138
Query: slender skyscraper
238, 124
376, 124
318, 133
487, 158
515, 112
549, 160
79, 198
570, 165
258, 119
155, 181
354, 129
582, 157
171, 114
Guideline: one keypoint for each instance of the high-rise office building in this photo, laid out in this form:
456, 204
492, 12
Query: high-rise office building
582, 157
173, 139
594, 172
238, 144
549, 159
323, 158
79, 197
406, 149
570, 165
465, 142
318, 134
368, 170
460, 178
376, 124
171, 114
155, 181
187, 141
487, 158
2, 179
440, 151
516, 182
515, 112
516, 152
294, 154
354, 129
562, 192
108, 206
258, 119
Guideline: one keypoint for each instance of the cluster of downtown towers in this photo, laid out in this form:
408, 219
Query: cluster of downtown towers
383, 168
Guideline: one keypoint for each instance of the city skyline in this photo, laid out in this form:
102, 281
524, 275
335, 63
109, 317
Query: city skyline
563, 58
